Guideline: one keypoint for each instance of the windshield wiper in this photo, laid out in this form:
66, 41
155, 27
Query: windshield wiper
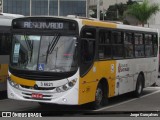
29, 45
52, 45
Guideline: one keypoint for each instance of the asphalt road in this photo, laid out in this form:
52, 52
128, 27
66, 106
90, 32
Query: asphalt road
148, 102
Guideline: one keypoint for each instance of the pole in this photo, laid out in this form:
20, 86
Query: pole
117, 14
98, 9
2, 6
48, 6
103, 11
30, 8
58, 7
87, 8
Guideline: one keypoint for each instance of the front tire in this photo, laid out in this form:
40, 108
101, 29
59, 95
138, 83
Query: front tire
101, 98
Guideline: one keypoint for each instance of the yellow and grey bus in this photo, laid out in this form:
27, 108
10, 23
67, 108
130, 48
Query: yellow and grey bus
5, 46
74, 61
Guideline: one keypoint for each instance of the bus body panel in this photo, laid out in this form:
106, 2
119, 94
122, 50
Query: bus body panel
127, 75
88, 83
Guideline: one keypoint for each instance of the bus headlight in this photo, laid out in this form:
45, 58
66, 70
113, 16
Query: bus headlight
67, 86
12, 83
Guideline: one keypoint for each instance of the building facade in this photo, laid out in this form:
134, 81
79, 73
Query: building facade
153, 22
45, 7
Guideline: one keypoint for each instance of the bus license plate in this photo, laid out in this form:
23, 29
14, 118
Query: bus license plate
37, 95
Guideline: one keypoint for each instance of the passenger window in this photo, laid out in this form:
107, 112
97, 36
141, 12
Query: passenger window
148, 45
117, 38
104, 46
155, 44
139, 45
117, 45
128, 45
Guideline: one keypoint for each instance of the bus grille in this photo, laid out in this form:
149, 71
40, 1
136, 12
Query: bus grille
38, 88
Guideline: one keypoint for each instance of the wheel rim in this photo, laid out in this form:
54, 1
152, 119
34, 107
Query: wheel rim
99, 96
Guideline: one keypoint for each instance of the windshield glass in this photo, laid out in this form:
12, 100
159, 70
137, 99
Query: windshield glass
45, 53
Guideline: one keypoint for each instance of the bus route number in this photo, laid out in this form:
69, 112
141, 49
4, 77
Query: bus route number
46, 84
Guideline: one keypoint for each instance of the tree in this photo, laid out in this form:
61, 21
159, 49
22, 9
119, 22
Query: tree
142, 12
130, 2
116, 11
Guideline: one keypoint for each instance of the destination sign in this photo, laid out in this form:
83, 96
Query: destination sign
43, 23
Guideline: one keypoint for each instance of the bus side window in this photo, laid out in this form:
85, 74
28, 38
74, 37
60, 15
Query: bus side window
148, 45
104, 44
128, 45
139, 45
155, 45
117, 44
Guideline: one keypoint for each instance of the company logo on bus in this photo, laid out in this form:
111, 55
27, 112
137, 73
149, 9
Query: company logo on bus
43, 25
123, 68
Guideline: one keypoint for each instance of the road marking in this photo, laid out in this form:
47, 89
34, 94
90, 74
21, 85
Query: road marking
111, 106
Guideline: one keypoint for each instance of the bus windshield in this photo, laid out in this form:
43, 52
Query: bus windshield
44, 53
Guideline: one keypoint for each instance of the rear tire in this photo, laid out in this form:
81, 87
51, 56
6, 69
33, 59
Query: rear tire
139, 86
101, 98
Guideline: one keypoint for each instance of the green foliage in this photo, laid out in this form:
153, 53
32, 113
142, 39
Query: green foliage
115, 12
142, 12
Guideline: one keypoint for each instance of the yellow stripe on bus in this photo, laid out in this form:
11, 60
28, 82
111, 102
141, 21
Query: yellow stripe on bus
88, 84
22, 81
99, 24
3, 72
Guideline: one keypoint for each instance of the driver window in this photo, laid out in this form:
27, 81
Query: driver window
87, 50
87, 54
88, 44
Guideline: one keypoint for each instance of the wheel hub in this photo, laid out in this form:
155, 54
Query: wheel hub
99, 96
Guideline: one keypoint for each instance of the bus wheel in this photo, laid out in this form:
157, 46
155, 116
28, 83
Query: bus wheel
100, 97
139, 86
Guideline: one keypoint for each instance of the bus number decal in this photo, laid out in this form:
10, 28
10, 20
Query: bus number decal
46, 84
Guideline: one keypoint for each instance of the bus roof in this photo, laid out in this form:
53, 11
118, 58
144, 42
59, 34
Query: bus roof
98, 23
115, 25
